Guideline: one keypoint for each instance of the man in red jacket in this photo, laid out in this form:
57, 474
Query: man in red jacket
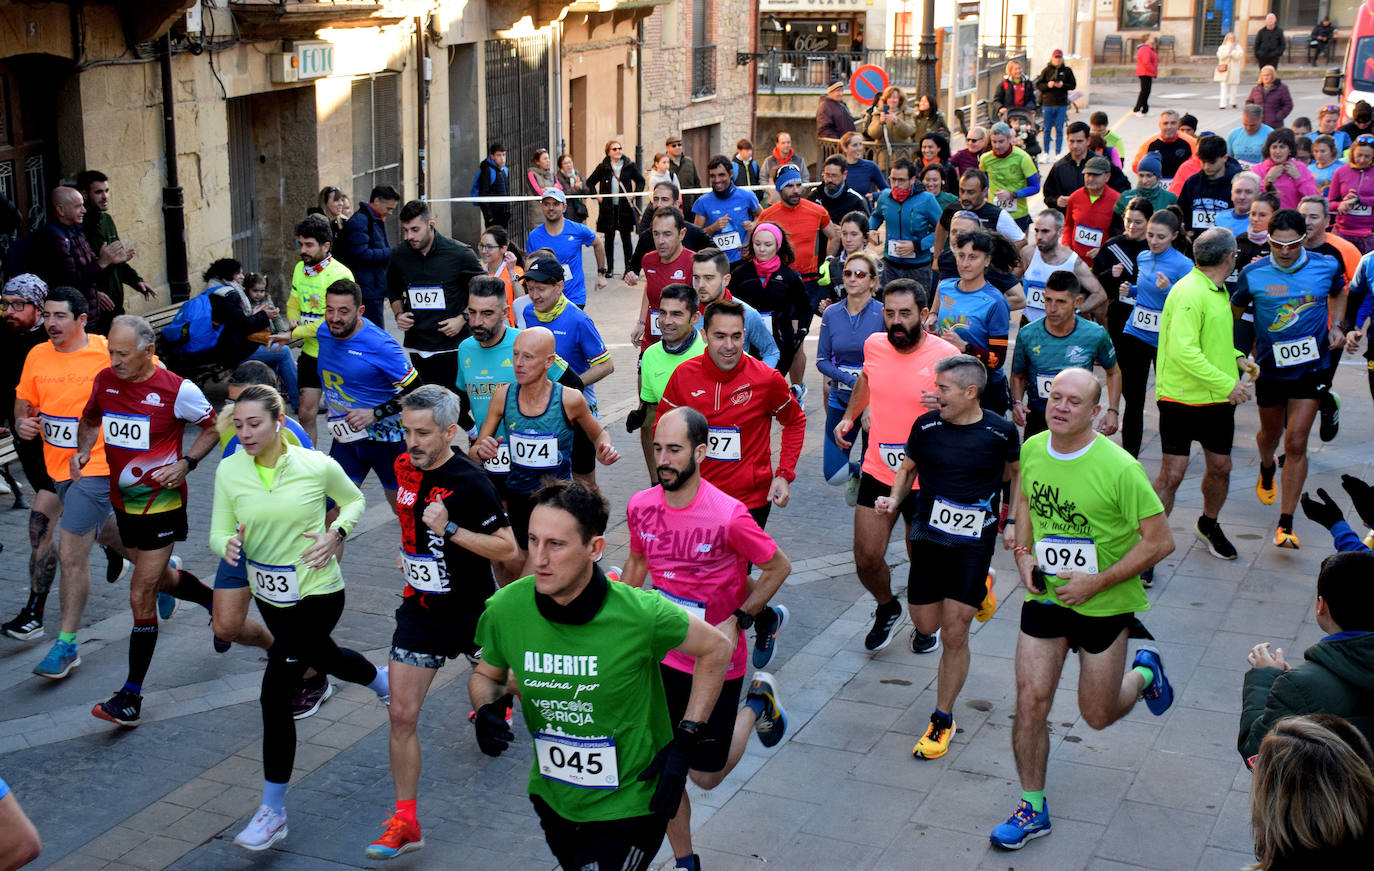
740, 397
1090, 217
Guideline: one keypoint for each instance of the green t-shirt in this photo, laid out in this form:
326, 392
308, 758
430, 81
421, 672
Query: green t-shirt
1101, 493
595, 683
1040, 355
657, 366
1008, 173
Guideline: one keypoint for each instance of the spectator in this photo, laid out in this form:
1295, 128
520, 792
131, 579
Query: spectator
929, 119
1015, 91
863, 175
1270, 42
493, 180
100, 229
278, 358
61, 255
1230, 60
1282, 173
539, 177
1327, 514
1053, 86
834, 193
616, 174
1146, 68
832, 116
1246, 142
661, 171
492, 250
364, 248
1319, 43
333, 204
966, 158
1361, 120
573, 184
1312, 801
746, 168
782, 154
683, 167
887, 121
231, 310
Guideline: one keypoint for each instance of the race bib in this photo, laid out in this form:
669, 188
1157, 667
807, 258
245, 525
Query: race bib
654, 329
692, 607
1146, 319
726, 241
60, 432
1035, 296
852, 371
127, 431
1042, 384
585, 762
427, 297
1202, 219
274, 583
892, 247
952, 518
1088, 237
567, 272
342, 432
1059, 555
534, 450
1296, 352
422, 572
311, 317
767, 321
722, 443
499, 464
1361, 210
893, 455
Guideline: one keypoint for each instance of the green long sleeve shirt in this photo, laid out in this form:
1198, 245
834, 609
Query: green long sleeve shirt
1196, 363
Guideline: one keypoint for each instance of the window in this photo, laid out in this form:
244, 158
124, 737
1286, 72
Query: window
703, 52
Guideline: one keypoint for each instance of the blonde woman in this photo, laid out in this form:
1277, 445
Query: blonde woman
1015, 91
1230, 59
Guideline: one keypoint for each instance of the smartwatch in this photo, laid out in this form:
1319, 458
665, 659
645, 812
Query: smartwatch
743, 618
450, 529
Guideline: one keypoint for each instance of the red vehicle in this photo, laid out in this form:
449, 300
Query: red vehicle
1356, 79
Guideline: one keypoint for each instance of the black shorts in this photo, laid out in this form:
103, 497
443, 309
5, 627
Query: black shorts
870, 488
1089, 634
1271, 391
519, 507
151, 531
713, 741
948, 571
30, 453
608, 845
308, 372
441, 369
433, 627
1213, 426
583, 453
760, 514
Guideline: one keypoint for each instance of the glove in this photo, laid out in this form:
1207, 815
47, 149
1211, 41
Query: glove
493, 732
670, 765
635, 419
1361, 496
1326, 512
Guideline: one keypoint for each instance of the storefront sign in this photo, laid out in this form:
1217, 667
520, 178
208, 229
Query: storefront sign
314, 60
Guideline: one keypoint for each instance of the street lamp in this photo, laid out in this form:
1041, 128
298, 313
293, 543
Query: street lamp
926, 61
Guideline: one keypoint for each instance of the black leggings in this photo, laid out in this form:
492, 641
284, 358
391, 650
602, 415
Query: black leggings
301, 633
1135, 358
1142, 102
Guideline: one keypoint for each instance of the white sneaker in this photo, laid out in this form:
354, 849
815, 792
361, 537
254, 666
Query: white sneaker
386, 670
267, 828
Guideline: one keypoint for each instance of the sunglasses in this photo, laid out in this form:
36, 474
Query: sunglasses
855, 273
616, 148
1365, 139
1286, 246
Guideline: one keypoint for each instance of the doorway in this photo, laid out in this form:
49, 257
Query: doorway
1213, 23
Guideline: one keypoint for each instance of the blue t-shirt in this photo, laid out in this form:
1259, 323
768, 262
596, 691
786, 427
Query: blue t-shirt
1040, 355
1291, 312
865, 177
1146, 295
567, 247
738, 205
1342, 141
575, 337
1247, 148
1237, 224
4, 788
1323, 176
481, 371
295, 435
364, 371
976, 317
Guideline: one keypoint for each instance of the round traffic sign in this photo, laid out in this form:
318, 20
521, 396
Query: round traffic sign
868, 83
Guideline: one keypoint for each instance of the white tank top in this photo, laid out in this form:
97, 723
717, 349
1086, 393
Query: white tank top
1037, 273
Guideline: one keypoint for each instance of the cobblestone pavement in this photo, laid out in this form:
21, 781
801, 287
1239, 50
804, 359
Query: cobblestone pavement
843, 790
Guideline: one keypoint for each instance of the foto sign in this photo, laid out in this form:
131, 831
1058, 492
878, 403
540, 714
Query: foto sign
314, 60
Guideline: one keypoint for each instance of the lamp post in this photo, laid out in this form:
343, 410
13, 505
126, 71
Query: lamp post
926, 60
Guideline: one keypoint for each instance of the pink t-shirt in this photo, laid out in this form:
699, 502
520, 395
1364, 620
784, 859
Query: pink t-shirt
895, 384
697, 557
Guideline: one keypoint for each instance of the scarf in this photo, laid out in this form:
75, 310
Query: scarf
318, 267
782, 158
553, 313
901, 194
1258, 238
767, 268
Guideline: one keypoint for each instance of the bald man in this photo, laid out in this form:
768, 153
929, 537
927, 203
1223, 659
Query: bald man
525, 414
62, 257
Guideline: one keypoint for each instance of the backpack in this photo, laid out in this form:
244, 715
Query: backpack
193, 330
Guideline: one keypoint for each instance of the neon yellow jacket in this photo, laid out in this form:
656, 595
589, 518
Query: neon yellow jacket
1196, 363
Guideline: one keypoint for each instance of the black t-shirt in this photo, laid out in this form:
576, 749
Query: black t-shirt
1119, 249
961, 466
444, 570
947, 267
1247, 252
1172, 154
987, 214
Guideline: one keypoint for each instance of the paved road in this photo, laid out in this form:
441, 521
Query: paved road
841, 792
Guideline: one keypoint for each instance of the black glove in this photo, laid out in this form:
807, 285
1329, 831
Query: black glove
635, 419
1326, 512
670, 765
493, 732
1361, 496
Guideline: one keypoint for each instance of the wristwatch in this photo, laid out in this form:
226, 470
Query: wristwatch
690, 727
743, 618
450, 529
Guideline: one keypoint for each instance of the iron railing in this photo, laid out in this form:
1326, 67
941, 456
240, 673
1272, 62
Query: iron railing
787, 72
703, 71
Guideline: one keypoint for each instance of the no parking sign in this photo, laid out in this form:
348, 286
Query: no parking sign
868, 83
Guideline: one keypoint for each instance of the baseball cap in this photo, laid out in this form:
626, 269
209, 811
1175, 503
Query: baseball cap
1098, 165
545, 270
673, 140
1058, 52
554, 194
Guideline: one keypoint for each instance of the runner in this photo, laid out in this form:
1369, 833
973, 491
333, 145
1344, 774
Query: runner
840, 358
1245, 186
667, 524
973, 316
313, 275
1061, 340
1115, 265
963, 454
1011, 174
1207, 193
853, 239
577, 340
567, 238
452, 527
269, 512
765, 279
663, 196
834, 194
1352, 195
1090, 211
911, 215
896, 386
1251, 245
711, 280
667, 264
609, 767
681, 342
727, 214
1087, 525
1002, 269
139, 411
1299, 298
1049, 254
973, 197
1172, 145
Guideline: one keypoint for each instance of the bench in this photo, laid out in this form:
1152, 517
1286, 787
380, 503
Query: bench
200, 373
9, 455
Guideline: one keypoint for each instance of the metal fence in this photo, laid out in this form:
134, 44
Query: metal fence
790, 72
518, 110
703, 71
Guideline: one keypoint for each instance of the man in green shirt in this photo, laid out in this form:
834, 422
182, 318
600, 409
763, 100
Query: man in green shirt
1198, 383
1087, 525
677, 320
1012, 175
100, 230
609, 767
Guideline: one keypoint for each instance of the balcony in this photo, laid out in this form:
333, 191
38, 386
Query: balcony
811, 72
300, 19
703, 71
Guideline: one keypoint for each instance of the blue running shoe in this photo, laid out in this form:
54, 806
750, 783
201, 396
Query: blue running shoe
1023, 826
1159, 695
771, 726
766, 640
166, 606
59, 662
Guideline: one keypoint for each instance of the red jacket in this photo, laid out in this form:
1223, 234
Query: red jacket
1146, 60
1088, 224
741, 403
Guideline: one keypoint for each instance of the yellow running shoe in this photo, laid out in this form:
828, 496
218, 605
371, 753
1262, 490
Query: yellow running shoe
1266, 491
989, 606
934, 743
1369, 539
1285, 538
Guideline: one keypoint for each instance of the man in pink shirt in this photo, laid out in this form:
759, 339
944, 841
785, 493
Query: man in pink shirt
697, 543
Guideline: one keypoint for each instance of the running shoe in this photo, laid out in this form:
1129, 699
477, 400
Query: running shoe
923, 643
309, 699
766, 640
1265, 488
885, 619
935, 742
123, 709
220, 645
1024, 825
613, 573
1159, 695
771, 726
28, 626
989, 606
401, 836
116, 566
166, 605
851, 491
1218, 545
1147, 578
1286, 539
1330, 416
59, 662
267, 828
799, 391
